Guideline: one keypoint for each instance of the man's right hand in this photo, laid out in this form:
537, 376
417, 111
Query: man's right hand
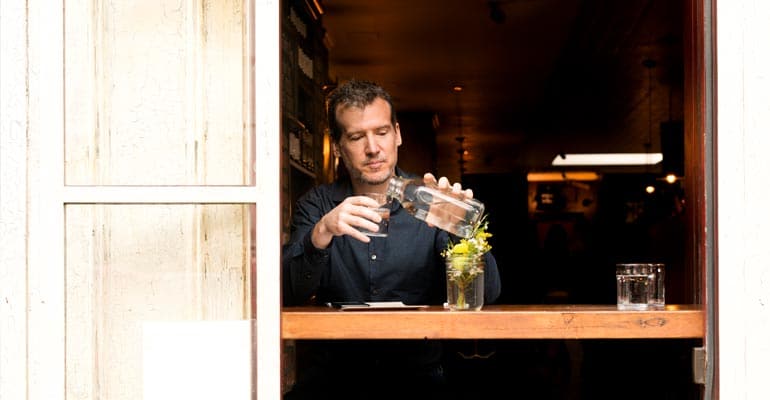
353, 213
443, 184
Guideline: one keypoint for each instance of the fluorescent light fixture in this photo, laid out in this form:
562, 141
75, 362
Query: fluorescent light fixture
562, 176
608, 159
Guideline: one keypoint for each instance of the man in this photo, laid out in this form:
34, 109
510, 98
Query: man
328, 259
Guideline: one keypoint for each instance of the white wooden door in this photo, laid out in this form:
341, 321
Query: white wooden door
153, 152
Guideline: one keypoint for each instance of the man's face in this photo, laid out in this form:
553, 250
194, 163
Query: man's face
369, 142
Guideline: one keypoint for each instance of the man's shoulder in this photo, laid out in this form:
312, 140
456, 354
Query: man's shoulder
334, 191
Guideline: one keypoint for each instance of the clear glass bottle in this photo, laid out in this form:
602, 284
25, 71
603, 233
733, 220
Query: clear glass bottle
452, 213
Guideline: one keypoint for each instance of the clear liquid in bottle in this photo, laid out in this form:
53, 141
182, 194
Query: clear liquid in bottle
452, 213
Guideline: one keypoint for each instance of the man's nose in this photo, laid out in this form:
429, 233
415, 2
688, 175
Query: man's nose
371, 144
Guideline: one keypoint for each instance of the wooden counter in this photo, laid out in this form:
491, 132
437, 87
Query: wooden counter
495, 322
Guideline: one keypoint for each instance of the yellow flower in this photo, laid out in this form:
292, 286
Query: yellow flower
483, 235
460, 248
476, 245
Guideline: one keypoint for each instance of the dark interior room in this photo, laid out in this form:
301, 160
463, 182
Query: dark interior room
491, 93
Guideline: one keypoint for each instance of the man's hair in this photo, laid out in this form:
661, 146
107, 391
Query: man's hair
354, 93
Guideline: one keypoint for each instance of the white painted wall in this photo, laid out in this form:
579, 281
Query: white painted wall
743, 167
13, 202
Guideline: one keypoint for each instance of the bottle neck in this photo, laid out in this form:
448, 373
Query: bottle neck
396, 187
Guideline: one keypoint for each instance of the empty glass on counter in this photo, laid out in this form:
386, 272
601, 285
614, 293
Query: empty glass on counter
658, 300
640, 286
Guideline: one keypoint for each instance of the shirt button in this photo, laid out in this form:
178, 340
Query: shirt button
308, 275
374, 256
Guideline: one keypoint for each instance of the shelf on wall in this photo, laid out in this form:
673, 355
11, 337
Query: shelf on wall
301, 168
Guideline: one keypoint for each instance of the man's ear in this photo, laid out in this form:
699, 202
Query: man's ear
398, 135
335, 149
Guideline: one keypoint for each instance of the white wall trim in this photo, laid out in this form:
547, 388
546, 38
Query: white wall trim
45, 248
743, 142
159, 194
13, 199
268, 150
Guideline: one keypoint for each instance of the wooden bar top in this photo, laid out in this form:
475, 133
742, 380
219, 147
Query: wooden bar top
495, 322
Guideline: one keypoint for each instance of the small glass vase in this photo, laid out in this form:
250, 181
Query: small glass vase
465, 283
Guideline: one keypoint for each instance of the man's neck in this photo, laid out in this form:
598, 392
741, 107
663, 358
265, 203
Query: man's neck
360, 187
366, 188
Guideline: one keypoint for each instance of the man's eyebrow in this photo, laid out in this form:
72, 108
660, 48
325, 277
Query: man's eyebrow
386, 126
351, 133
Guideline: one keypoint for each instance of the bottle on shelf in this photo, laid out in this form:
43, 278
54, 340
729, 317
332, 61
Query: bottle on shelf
450, 212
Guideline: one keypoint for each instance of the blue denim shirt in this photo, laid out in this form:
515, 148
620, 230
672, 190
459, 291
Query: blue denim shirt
404, 266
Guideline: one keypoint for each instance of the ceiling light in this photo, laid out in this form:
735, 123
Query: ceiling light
619, 159
562, 176
650, 189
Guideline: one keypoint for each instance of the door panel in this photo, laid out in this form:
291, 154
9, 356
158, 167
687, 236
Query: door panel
157, 93
156, 86
130, 266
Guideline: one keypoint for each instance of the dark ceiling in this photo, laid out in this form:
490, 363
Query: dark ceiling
539, 76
